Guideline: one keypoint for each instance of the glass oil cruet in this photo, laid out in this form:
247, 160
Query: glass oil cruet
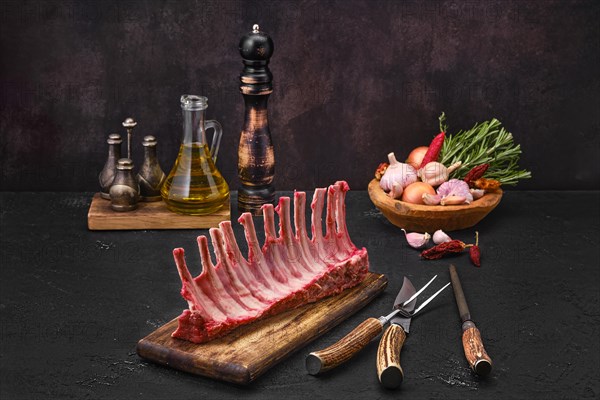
195, 186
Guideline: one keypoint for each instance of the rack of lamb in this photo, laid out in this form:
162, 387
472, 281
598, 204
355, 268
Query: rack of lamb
289, 270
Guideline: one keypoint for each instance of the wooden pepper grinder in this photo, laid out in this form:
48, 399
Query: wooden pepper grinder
256, 160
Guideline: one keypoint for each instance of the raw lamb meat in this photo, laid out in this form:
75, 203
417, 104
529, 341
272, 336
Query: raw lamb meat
289, 271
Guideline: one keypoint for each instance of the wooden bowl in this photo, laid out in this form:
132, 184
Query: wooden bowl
423, 218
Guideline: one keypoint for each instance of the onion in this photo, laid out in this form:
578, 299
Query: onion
416, 156
413, 193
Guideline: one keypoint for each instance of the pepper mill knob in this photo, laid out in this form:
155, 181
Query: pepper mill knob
256, 46
129, 124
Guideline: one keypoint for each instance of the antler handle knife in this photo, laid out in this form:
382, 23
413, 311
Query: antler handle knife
475, 353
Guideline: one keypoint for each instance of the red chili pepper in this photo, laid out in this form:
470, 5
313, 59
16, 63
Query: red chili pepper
475, 173
443, 249
475, 255
475, 252
434, 149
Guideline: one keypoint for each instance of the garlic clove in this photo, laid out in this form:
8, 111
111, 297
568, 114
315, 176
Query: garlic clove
453, 200
477, 193
440, 236
431, 199
396, 192
417, 240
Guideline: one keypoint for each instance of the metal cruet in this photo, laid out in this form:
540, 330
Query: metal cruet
107, 175
151, 176
125, 191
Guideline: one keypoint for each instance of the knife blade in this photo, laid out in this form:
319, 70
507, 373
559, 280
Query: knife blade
338, 353
475, 353
389, 370
406, 293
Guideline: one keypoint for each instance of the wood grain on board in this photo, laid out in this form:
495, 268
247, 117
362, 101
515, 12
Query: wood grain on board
250, 350
148, 215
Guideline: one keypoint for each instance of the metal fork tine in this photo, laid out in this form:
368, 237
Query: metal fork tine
429, 299
414, 296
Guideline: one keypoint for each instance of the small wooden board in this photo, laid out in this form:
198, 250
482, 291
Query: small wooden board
250, 350
148, 215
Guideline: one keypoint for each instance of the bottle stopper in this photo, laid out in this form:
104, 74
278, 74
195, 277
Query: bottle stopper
114, 138
124, 164
149, 141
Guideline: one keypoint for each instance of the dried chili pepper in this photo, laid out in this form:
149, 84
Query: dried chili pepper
487, 184
443, 249
435, 147
475, 173
381, 170
475, 252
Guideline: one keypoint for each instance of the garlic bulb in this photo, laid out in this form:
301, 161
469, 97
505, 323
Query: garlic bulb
453, 190
397, 172
417, 240
440, 236
435, 173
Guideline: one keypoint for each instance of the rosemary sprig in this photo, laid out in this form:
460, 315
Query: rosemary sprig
487, 142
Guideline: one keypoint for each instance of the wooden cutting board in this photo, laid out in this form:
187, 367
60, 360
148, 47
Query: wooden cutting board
148, 215
247, 352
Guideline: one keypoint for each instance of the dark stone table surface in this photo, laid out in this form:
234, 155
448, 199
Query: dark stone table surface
73, 304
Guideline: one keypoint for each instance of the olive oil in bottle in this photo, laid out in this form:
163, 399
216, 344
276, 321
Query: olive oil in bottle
195, 186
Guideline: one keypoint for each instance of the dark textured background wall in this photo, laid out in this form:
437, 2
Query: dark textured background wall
353, 81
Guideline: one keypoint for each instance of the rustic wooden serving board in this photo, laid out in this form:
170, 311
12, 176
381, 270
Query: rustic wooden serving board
148, 215
247, 352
